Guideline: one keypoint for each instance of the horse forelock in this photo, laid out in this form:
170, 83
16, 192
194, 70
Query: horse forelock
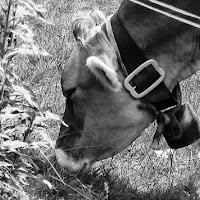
85, 24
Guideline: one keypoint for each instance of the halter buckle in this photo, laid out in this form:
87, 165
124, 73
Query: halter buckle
131, 89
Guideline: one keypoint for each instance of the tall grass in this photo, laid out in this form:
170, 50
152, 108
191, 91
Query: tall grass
136, 173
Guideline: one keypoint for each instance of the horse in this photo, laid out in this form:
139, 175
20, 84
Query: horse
102, 114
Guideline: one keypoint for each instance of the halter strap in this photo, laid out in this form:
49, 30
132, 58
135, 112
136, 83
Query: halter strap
132, 57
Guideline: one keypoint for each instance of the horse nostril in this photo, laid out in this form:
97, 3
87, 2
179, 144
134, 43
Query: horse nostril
84, 168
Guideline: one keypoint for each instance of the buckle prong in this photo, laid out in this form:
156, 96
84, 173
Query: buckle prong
131, 89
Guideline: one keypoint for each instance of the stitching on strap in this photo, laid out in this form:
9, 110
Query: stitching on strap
178, 10
167, 14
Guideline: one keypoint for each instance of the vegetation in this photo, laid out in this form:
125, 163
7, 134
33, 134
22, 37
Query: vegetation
31, 104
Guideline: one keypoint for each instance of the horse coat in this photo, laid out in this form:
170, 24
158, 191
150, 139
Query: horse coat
103, 117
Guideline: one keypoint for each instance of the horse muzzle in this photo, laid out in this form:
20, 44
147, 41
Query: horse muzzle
72, 164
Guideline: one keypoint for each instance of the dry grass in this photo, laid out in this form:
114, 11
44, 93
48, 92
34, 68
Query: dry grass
136, 173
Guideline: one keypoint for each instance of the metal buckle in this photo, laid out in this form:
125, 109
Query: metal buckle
131, 89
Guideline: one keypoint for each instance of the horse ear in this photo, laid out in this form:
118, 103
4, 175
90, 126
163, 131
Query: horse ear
104, 73
83, 23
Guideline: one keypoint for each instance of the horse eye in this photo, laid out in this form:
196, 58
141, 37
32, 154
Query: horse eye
69, 92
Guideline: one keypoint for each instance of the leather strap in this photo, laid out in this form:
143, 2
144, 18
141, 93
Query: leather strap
133, 57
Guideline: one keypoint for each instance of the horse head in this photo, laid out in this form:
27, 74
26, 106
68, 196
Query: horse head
102, 117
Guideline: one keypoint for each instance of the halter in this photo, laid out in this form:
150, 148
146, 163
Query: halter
144, 78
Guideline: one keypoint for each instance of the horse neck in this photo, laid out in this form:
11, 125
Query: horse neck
148, 27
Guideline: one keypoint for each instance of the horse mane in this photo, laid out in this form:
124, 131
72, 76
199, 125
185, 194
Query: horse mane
86, 23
